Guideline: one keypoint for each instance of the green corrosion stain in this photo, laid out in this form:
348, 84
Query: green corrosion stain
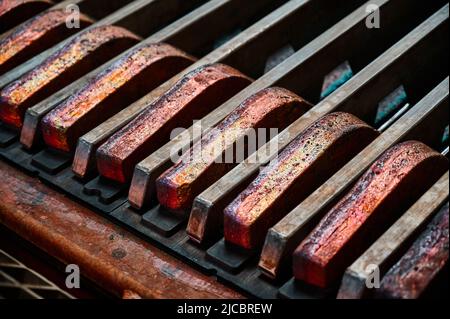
445, 136
336, 79
390, 104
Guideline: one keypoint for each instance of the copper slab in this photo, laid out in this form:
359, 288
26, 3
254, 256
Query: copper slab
194, 96
85, 52
304, 165
410, 277
139, 71
35, 36
198, 168
388, 188
14, 12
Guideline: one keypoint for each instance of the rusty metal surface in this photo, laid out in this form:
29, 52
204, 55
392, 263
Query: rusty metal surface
285, 236
304, 165
391, 185
34, 36
393, 243
198, 168
244, 46
194, 96
14, 12
136, 73
85, 52
106, 254
410, 277
290, 73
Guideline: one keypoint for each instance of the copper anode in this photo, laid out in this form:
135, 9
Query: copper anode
389, 187
197, 169
14, 12
111, 90
35, 36
424, 261
73, 60
194, 96
301, 167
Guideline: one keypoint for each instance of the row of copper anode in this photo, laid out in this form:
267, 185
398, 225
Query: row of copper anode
379, 196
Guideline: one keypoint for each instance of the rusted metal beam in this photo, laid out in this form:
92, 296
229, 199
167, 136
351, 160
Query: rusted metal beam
303, 166
136, 73
193, 96
81, 55
285, 236
368, 87
385, 250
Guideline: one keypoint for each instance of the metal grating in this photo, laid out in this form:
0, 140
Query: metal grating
284, 40
20, 282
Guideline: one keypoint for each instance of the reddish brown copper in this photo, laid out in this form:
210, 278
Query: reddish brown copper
138, 72
423, 263
194, 96
199, 168
84, 53
107, 254
389, 187
304, 165
14, 12
35, 36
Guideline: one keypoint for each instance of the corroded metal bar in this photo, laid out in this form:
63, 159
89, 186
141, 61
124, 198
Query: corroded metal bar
36, 35
14, 12
367, 85
201, 16
288, 74
130, 77
155, 18
385, 250
199, 167
192, 97
304, 165
252, 42
284, 237
379, 197
410, 277
85, 52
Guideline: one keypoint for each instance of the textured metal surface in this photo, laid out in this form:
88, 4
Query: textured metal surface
14, 12
256, 41
289, 74
380, 196
427, 258
286, 235
307, 62
107, 254
199, 168
385, 251
82, 54
34, 36
192, 97
141, 70
303, 166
